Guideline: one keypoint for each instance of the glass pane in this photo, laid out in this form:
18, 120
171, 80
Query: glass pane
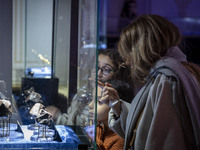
54, 67
80, 64
62, 46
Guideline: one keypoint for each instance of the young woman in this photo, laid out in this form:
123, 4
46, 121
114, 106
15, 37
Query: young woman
111, 66
165, 112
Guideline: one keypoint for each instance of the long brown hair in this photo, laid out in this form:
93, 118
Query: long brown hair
146, 40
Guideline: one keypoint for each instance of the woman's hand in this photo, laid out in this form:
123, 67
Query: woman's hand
108, 93
110, 97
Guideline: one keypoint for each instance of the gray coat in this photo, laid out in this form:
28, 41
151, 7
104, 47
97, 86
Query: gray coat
171, 117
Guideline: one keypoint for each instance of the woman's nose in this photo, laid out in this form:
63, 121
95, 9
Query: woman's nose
100, 74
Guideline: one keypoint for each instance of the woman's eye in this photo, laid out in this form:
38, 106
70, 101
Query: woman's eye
107, 69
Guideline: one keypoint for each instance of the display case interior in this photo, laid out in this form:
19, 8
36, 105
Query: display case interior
54, 75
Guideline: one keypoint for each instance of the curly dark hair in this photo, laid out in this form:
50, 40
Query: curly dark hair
123, 72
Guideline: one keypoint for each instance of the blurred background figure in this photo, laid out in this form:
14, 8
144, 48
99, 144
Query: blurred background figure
128, 13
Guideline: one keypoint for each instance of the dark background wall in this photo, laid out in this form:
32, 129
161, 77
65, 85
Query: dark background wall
6, 44
184, 13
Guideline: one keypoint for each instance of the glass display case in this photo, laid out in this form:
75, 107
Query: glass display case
54, 76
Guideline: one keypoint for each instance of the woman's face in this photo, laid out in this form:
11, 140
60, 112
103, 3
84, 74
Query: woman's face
106, 69
102, 109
